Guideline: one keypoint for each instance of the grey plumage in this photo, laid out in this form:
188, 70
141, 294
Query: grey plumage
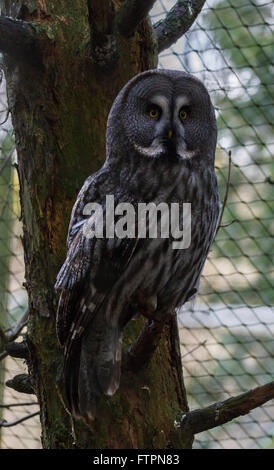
160, 145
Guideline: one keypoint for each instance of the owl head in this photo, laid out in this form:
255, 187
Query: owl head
163, 114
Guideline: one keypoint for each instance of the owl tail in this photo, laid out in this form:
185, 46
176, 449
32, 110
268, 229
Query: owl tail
93, 367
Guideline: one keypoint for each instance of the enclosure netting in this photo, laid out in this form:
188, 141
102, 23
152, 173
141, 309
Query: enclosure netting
227, 335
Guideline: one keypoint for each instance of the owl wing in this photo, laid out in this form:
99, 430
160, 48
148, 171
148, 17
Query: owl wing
92, 343
87, 259
79, 247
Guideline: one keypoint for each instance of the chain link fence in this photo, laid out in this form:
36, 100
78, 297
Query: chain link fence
13, 298
227, 335
11, 253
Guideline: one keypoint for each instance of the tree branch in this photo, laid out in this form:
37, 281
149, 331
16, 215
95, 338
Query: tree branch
21, 383
130, 14
18, 39
5, 424
177, 22
142, 350
18, 350
12, 405
224, 411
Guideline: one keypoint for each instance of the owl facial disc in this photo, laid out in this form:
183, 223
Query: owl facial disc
165, 115
168, 140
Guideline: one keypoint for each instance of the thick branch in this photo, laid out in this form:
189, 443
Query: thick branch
18, 350
18, 39
21, 383
130, 14
177, 22
224, 411
142, 350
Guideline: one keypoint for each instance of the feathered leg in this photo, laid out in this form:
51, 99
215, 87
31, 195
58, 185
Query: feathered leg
100, 365
92, 366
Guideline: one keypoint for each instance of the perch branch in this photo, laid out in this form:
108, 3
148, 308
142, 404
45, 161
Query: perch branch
224, 411
177, 22
18, 39
142, 350
5, 424
130, 14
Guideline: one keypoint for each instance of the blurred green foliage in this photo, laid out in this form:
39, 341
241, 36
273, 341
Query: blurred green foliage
243, 35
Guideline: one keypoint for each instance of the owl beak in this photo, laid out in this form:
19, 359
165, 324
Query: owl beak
169, 140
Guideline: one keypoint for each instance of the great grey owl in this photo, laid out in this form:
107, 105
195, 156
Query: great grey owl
160, 148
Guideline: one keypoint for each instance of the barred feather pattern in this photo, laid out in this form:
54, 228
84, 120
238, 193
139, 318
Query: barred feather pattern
101, 278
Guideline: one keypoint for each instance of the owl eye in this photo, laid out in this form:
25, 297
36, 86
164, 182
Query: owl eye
182, 114
154, 112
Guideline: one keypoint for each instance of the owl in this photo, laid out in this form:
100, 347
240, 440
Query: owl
160, 148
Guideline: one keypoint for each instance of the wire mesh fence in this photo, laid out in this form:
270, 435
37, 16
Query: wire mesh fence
13, 298
227, 335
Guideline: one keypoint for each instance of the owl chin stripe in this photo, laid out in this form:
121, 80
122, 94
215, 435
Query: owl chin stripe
159, 151
186, 154
149, 151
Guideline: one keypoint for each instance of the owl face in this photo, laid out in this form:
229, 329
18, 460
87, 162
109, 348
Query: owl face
168, 114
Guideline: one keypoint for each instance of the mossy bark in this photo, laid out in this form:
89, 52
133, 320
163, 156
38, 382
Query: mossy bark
59, 109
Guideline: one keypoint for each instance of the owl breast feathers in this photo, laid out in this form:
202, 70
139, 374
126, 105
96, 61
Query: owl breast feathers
160, 147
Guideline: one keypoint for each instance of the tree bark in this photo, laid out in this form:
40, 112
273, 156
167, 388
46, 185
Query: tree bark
59, 107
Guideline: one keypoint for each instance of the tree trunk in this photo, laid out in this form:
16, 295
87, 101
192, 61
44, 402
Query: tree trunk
60, 97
